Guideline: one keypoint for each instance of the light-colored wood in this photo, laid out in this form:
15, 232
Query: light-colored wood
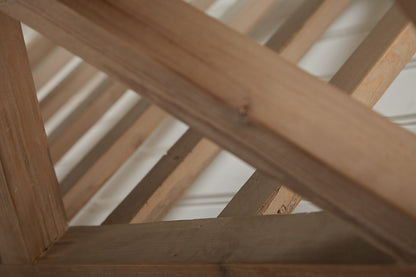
38, 49
103, 145
264, 109
50, 65
379, 59
159, 190
261, 195
202, 4
31, 210
302, 238
112, 159
305, 26
365, 76
68, 87
166, 183
197, 270
251, 12
81, 120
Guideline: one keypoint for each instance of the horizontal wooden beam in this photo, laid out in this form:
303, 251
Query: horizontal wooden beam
301, 238
264, 109
215, 270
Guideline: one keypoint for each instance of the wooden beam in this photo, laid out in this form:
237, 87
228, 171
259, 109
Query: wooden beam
266, 110
215, 270
31, 210
83, 118
302, 238
304, 27
140, 206
365, 76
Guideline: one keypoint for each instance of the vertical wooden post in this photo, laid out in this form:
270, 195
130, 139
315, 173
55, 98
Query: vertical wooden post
31, 210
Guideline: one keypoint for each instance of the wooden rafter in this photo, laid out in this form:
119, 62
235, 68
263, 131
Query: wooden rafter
252, 86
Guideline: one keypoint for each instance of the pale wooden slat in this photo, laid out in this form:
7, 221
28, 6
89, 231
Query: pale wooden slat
103, 145
112, 160
38, 49
365, 76
305, 26
252, 85
302, 238
31, 210
202, 4
50, 65
83, 118
68, 87
166, 182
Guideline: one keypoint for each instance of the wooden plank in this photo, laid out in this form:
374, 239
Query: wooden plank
112, 160
50, 66
102, 146
67, 88
166, 182
169, 179
252, 86
365, 76
83, 118
304, 27
38, 49
31, 210
302, 238
197, 270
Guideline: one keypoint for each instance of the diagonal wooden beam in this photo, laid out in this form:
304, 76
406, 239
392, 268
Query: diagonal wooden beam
264, 109
140, 205
303, 238
365, 76
31, 210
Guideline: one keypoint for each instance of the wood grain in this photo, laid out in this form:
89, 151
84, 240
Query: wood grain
302, 238
365, 76
31, 210
317, 132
